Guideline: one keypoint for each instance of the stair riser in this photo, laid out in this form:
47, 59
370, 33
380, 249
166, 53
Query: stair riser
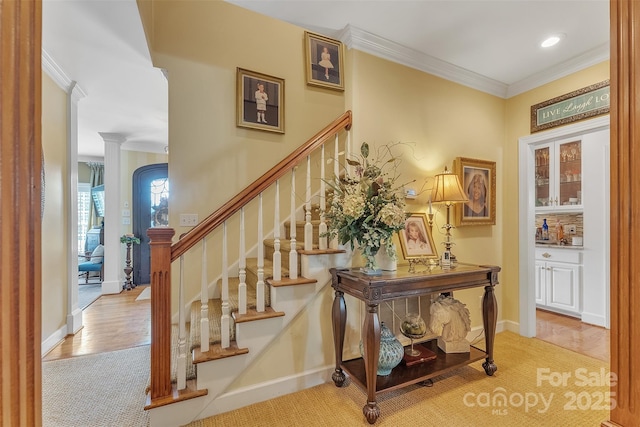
284, 254
300, 232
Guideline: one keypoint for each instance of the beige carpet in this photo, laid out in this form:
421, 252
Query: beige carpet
463, 398
106, 389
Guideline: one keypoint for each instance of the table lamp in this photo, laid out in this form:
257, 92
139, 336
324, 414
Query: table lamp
447, 190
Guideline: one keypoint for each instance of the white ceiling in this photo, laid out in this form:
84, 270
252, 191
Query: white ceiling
489, 45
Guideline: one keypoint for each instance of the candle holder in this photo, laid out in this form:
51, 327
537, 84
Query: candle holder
128, 240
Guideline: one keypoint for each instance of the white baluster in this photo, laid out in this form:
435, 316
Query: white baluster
336, 173
349, 153
293, 255
260, 285
277, 256
322, 228
182, 340
308, 227
225, 320
242, 269
204, 302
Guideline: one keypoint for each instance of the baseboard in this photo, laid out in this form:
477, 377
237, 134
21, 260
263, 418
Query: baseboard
74, 321
594, 319
53, 340
268, 390
113, 287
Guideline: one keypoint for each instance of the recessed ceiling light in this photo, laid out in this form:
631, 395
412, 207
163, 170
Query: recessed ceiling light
552, 40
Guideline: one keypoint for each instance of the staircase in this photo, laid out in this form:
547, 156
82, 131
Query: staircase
195, 362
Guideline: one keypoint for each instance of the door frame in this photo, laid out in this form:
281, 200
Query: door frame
526, 213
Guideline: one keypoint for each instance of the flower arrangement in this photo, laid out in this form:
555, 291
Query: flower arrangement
129, 238
367, 208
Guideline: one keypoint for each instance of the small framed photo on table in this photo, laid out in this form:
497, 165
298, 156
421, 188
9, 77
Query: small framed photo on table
260, 101
416, 240
324, 61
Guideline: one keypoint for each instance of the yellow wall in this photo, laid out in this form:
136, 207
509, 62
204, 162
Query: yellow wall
518, 124
54, 223
211, 159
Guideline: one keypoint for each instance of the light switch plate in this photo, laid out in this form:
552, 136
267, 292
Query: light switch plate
188, 220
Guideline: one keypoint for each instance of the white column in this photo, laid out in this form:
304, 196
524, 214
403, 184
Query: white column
113, 266
74, 313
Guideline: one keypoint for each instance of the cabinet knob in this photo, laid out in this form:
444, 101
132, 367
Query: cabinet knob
549, 268
546, 255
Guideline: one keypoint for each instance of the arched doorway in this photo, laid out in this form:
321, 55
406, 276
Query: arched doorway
149, 209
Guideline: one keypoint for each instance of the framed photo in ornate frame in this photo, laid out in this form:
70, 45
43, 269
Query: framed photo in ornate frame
324, 61
478, 179
416, 240
260, 101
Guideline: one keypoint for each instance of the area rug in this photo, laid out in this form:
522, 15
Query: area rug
537, 384
88, 293
106, 389
145, 294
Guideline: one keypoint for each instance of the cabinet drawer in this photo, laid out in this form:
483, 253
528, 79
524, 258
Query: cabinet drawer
559, 255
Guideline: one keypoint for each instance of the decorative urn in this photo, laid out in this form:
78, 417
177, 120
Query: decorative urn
391, 351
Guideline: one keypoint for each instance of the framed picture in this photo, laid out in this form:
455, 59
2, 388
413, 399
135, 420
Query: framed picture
478, 179
416, 240
260, 101
325, 59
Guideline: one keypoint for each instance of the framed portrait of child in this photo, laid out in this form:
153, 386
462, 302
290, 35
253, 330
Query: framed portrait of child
416, 240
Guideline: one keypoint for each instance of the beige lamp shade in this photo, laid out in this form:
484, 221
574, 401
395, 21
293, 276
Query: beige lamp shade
447, 189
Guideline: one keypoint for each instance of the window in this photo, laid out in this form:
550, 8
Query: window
84, 209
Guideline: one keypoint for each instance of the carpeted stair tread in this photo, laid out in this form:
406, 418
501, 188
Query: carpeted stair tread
252, 265
217, 352
285, 244
215, 313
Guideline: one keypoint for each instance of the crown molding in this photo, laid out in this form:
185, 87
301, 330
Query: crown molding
575, 64
355, 38
58, 75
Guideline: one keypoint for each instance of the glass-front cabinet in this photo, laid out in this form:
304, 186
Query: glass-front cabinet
558, 176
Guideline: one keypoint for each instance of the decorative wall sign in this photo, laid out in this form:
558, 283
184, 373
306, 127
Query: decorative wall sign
574, 106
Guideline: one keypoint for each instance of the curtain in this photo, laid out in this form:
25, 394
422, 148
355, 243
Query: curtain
96, 178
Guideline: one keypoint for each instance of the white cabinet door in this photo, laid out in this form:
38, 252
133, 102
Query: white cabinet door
563, 286
541, 283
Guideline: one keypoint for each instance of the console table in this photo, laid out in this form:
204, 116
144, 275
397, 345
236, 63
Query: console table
373, 290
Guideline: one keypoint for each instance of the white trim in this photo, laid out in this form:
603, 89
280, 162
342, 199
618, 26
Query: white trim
594, 319
526, 213
573, 65
58, 75
53, 340
356, 38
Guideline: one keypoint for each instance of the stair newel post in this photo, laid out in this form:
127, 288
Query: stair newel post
277, 256
225, 320
160, 248
204, 302
322, 227
336, 172
308, 227
293, 255
181, 372
260, 283
242, 269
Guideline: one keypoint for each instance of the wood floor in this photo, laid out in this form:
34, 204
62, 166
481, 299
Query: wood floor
112, 322
572, 334
116, 322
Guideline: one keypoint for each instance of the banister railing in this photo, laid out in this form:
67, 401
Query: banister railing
249, 193
163, 254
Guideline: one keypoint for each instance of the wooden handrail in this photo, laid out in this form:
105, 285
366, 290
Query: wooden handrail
223, 213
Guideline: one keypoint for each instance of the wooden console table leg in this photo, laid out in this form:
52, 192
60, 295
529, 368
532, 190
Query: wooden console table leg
489, 318
339, 315
371, 343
